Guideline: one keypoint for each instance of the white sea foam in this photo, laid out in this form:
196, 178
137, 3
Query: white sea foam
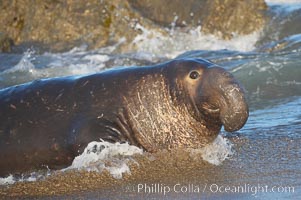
96, 58
216, 152
25, 64
283, 1
99, 156
34, 176
179, 40
75, 62
7, 180
115, 158
288, 5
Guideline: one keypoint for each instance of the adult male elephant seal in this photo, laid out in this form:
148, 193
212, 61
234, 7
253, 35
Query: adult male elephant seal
180, 103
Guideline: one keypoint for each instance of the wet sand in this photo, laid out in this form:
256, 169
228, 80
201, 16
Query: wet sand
157, 170
176, 175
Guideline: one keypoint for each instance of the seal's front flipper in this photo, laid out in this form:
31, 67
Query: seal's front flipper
85, 131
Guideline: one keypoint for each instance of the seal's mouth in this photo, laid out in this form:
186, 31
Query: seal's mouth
232, 113
213, 110
209, 109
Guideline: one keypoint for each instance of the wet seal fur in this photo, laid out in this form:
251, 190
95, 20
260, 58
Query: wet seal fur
180, 103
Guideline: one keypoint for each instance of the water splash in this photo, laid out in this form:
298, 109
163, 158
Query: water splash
179, 40
25, 64
33, 66
216, 152
34, 176
291, 4
100, 156
115, 157
7, 180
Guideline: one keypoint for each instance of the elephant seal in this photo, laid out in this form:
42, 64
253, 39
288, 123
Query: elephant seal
180, 103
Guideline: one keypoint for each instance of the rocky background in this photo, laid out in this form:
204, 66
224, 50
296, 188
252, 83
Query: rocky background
59, 25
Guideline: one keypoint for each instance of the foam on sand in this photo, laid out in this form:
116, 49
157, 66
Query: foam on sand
216, 152
99, 156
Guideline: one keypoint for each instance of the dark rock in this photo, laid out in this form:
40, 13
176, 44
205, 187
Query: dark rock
188, 12
226, 18
223, 18
5, 43
62, 24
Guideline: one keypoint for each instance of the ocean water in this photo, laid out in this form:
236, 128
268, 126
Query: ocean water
262, 160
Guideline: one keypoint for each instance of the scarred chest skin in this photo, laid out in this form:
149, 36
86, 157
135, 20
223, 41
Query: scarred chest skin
159, 122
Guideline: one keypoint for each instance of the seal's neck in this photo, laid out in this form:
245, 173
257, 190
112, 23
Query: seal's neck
160, 123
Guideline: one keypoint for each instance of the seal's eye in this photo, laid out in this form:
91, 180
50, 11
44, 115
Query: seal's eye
194, 75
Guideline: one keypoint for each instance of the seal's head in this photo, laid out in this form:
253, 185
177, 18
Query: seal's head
184, 103
214, 94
